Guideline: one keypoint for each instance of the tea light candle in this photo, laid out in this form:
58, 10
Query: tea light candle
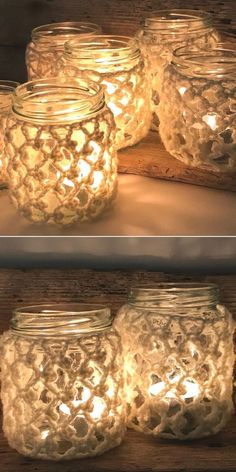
47, 45
197, 108
62, 382
162, 32
178, 358
62, 159
6, 90
114, 62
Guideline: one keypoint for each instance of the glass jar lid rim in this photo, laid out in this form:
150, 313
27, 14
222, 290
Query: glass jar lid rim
218, 62
178, 14
174, 287
65, 28
63, 308
37, 100
8, 85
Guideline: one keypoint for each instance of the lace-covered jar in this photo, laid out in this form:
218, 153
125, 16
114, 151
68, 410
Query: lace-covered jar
62, 385
47, 45
163, 32
178, 357
6, 90
197, 109
115, 62
60, 143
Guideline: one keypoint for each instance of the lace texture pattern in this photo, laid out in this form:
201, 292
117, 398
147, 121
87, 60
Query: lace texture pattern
178, 370
62, 399
61, 174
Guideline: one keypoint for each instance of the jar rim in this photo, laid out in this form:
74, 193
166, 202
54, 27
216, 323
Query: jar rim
177, 21
41, 100
8, 86
104, 50
59, 319
176, 286
219, 62
65, 28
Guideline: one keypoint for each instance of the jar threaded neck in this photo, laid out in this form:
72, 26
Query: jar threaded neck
177, 22
58, 33
58, 320
176, 296
60, 100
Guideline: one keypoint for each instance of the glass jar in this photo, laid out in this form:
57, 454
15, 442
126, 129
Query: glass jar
178, 356
114, 62
62, 382
166, 30
62, 159
197, 109
47, 45
7, 88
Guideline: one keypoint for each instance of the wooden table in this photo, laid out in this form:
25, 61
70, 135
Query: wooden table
137, 453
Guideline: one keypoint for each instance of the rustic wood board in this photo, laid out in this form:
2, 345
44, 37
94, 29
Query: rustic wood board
149, 158
137, 453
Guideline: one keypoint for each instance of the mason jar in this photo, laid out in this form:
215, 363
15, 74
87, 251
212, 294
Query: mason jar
7, 88
162, 32
62, 382
60, 141
197, 110
116, 63
47, 44
178, 356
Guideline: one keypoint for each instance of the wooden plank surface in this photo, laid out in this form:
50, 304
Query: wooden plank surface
149, 158
137, 453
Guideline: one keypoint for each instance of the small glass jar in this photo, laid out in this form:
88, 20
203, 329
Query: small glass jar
114, 62
62, 382
178, 357
197, 110
62, 158
47, 45
166, 30
7, 88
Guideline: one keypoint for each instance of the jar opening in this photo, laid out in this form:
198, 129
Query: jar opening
177, 21
61, 319
53, 100
7, 88
58, 33
176, 295
105, 52
215, 64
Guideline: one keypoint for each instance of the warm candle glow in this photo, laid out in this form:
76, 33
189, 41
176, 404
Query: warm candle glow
178, 360
98, 408
210, 120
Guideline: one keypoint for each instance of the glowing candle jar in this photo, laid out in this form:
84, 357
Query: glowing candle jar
178, 357
47, 45
197, 110
62, 382
6, 90
164, 31
115, 62
62, 159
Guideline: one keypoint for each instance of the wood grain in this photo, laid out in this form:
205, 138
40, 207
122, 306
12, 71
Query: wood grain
149, 158
137, 453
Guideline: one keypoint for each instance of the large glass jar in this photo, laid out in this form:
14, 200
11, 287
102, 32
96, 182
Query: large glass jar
62, 159
197, 109
115, 62
7, 88
162, 32
178, 357
47, 45
62, 382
